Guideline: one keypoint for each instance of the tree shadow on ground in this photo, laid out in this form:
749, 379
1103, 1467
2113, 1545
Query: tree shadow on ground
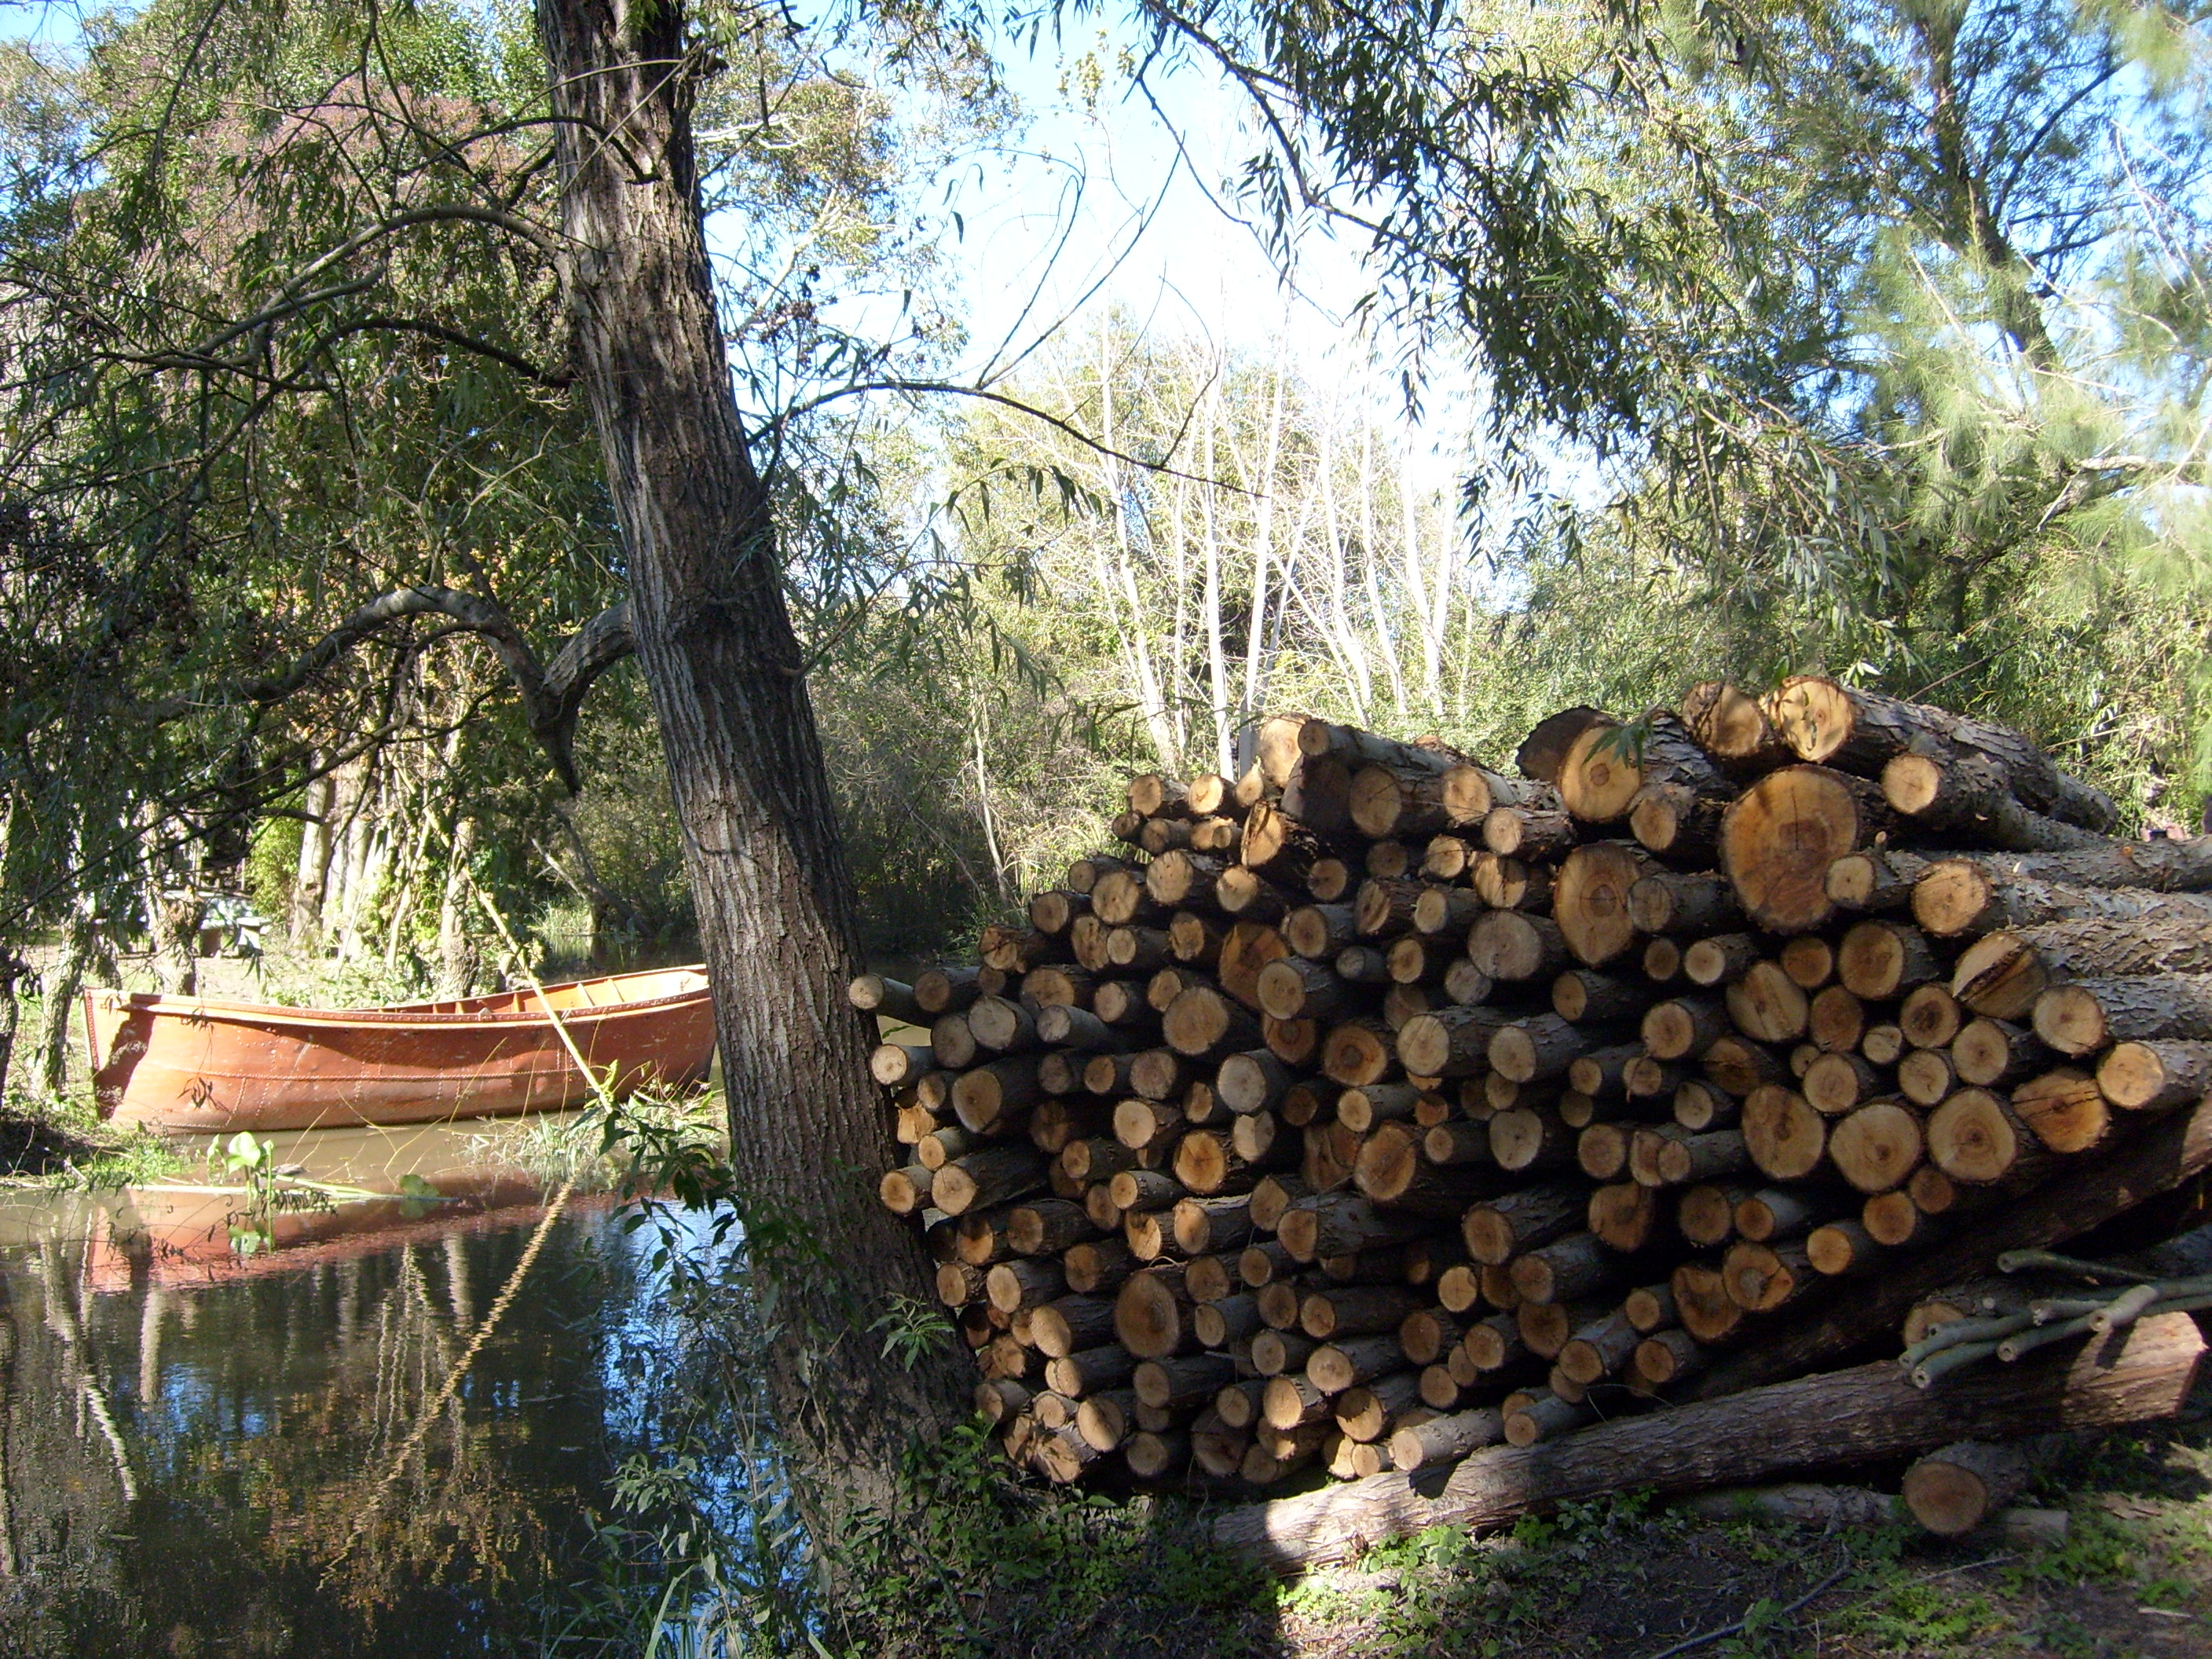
1629, 1580
984, 1564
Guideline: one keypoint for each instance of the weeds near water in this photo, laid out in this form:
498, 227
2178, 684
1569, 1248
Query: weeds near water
704, 1555
139, 1158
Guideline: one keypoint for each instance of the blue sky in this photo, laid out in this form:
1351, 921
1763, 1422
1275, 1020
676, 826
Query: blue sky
1103, 204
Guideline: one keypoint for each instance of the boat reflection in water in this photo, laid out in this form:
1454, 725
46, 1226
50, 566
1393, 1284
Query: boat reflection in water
190, 1437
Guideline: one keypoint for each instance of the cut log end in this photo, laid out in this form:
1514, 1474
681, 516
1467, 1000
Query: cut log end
1780, 835
1953, 1491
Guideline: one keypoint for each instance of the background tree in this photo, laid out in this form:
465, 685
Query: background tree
309, 313
1894, 309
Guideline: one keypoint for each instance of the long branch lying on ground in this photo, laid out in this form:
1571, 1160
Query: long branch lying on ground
1390, 1107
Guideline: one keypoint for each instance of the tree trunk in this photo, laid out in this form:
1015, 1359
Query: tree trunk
173, 922
456, 956
11, 969
306, 914
726, 673
62, 987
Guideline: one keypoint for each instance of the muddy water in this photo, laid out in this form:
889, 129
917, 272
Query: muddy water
208, 1453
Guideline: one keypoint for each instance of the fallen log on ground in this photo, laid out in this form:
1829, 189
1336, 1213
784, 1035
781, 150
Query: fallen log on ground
1867, 1412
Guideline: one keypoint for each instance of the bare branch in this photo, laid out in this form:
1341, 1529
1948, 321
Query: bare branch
552, 694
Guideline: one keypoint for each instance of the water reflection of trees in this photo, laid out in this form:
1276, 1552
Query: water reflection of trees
258, 1422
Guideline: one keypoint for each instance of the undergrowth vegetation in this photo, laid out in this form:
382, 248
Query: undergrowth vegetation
704, 1552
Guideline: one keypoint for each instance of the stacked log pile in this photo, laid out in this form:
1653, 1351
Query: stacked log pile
1379, 1106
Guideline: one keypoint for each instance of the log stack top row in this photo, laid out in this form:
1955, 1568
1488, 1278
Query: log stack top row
1380, 1104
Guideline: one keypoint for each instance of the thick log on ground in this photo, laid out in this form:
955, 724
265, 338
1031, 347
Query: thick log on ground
1955, 1489
1781, 835
1865, 1413
2172, 1149
1862, 731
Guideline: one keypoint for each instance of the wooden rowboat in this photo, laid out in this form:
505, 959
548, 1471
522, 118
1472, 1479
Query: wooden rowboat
191, 1064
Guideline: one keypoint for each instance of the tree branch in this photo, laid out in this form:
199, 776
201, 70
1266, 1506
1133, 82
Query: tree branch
945, 388
556, 379
552, 694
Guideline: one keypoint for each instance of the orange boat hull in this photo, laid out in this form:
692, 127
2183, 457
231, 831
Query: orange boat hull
188, 1065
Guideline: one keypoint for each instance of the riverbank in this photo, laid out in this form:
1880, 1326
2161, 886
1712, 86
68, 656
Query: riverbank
35, 1146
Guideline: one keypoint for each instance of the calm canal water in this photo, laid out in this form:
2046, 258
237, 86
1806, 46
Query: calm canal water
206, 1454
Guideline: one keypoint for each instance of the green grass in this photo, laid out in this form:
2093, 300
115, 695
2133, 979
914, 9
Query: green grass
65, 1144
136, 1159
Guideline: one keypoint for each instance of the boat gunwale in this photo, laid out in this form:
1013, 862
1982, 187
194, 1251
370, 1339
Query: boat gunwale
221, 1011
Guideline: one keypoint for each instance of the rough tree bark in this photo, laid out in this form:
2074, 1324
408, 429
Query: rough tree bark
809, 1132
80, 944
457, 956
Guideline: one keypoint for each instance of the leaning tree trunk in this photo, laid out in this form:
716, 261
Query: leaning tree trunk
457, 955
172, 923
63, 985
808, 1130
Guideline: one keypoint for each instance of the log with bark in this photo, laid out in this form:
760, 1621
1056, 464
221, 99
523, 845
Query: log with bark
1863, 1414
1286, 1121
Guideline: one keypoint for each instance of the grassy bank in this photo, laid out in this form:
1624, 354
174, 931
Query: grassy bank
993, 1569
